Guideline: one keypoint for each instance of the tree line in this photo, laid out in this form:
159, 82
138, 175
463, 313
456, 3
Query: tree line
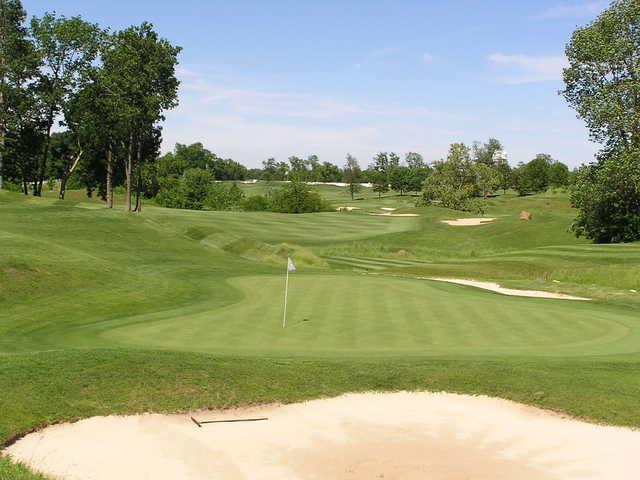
77, 99
190, 177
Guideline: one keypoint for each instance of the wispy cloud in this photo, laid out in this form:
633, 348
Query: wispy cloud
529, 69
251, 124
427, 57
574, 10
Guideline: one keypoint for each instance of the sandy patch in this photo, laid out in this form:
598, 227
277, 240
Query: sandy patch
495, 287
468, 222
347, 209
392, 214
406, 436
388, 209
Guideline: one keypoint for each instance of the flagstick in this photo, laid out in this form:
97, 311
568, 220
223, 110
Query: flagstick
286, 291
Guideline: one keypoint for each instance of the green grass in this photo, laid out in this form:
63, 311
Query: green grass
103, 312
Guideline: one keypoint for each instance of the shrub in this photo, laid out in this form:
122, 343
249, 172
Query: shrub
296, 197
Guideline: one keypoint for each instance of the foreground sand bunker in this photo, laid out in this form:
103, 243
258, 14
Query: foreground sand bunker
365, 436
495, 287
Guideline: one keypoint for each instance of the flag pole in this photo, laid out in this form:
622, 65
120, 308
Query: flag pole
286, 291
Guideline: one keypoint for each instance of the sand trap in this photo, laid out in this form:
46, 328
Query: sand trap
388, 209
347, 209
468, 222
391, 214
494, 287
406, 436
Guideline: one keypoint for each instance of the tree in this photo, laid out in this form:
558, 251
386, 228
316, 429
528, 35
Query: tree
487, 153
67, 48
17, 67
533, 177
66, 152
298, 170
140, 72
379, 181
505, 174
295, 197
558, 175
602, 82
352, 175
487, 178
400, 178
608, 198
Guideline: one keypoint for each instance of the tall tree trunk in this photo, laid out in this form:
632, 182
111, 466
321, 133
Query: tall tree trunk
66, 174
128, 172
2, 135
37, 187
139, 180
25, 186
109, 177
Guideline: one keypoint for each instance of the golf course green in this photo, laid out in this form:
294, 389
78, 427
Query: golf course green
107, 312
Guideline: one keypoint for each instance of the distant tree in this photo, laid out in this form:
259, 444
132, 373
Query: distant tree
298, 169
505, 174
418, 171
487, 153
487, 179
558, 175
379, 181
352, 175
533, 177
400, 179
295, 197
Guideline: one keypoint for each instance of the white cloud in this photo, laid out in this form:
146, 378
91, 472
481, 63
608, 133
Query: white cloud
529, 69
427, 57
574, 10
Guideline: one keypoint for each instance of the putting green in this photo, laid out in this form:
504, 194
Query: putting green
356, 314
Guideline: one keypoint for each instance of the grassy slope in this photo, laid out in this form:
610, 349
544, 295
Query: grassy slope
70, 274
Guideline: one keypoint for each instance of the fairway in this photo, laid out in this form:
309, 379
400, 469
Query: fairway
356, 315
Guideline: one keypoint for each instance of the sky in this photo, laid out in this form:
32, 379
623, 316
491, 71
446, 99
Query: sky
264, 79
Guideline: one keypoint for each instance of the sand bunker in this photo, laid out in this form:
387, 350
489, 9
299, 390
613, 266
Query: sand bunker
347, 209
468, 222
406, 436
388, 209
392, 214
494, 287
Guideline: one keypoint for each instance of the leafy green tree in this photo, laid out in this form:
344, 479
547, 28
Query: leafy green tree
558, 175
487, 153
65, 152
295, 197
602, 82
352, 175
505, 174
400, 179
66, 47
608, 199
379, 181
533, 177
487, 179
222, 196
17, 67
298, 169
139, 69
418, 171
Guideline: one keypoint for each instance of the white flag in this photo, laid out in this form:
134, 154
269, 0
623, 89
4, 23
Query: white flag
290, 265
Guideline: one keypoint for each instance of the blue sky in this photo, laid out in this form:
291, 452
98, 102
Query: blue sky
278, 78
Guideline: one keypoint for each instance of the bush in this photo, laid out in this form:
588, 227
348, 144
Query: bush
223, 197
296, 197
255, 203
